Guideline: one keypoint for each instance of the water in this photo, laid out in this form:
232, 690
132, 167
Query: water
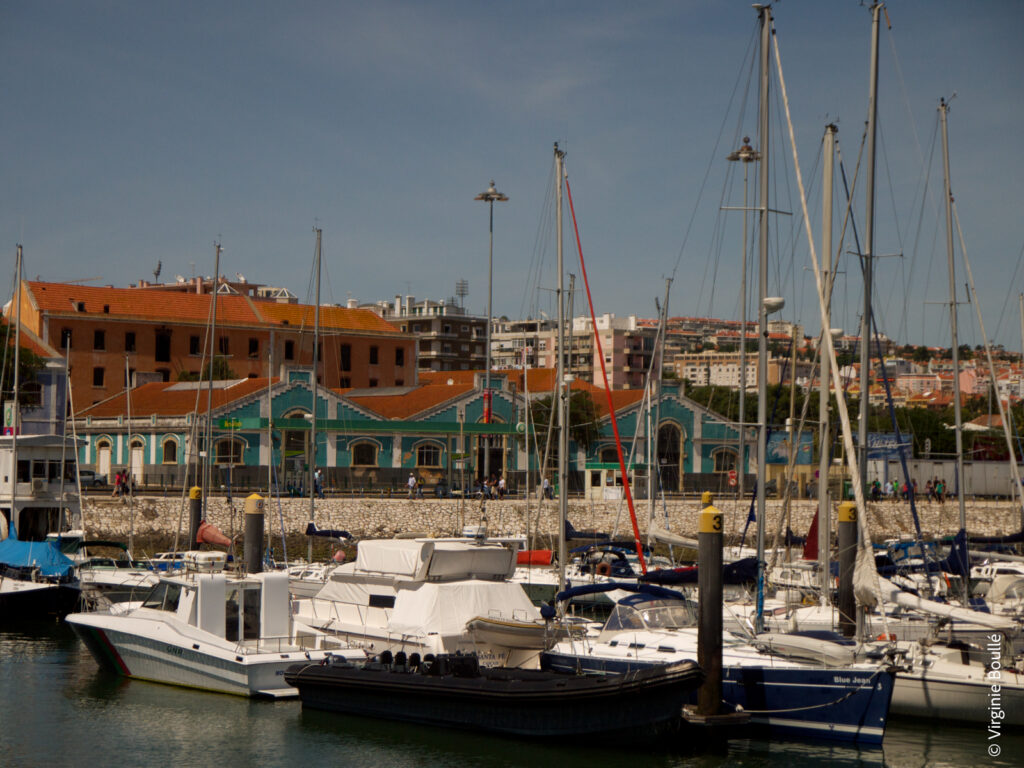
60, 709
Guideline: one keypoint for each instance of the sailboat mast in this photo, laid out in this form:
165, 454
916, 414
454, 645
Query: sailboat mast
762, 326
16, 383
563, 427
312, 385
208, 437
825, 388
869, 245
958, 417
130, 478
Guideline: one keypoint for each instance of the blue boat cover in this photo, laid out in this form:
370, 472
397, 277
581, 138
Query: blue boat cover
35, 554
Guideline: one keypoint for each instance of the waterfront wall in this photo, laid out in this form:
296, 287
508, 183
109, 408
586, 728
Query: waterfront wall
381, 518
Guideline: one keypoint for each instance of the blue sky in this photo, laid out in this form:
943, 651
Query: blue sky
134, 133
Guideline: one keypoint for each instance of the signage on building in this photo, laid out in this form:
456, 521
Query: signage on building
780, 446
884, 445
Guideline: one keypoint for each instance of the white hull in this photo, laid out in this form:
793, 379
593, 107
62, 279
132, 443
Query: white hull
960, 701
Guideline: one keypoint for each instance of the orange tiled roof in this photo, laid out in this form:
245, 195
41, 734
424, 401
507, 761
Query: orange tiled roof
167, 306
331, 318
408, 404
170, 398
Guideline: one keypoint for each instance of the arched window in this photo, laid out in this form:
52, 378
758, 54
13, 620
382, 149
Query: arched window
725, 460
364, 455
609, 456
170, 449
428, 455
229, 451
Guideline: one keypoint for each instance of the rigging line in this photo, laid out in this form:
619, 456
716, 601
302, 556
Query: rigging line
925, 197
707, 171
528, 305
604, 375
1010, 290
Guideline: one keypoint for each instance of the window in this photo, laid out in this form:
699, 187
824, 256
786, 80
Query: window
373, 383
222, 345
254, 347
163, 597
319, 351
65, 338
428, 455
289, 350
364, 455
193, 345
373, 355
399, 356
31, 394
170, 451
99, 340
129, 377
162, 351
129, 341
447, 328
609, 456
724, 461
165, 374
399, 382
228, 452
346, 357
97, 377
344, 382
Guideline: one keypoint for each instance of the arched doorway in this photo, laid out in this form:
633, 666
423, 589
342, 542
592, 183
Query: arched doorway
294, 450
670, 457
103, 458
137, 459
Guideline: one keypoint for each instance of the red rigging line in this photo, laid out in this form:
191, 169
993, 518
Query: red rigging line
607, 389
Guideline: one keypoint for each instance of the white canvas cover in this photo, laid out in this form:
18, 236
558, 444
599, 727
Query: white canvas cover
274, 605
398, 557
212, 594
444, 608
349, 591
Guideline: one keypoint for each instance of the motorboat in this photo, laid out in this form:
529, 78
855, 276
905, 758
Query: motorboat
828, 697
430, 596
106, 570
206, 628
454, 690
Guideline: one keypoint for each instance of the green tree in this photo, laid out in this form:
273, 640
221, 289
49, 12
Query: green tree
221, 372
583, 429
29, 364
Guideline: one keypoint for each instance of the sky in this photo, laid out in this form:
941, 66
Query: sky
136, 134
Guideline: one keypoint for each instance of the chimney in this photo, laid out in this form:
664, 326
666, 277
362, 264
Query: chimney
398, 305
409, 300
352, 303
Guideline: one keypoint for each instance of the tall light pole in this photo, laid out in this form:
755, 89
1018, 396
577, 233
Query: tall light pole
745, 154
489, 197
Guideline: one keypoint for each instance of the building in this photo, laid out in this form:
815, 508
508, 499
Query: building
149, 332
448, 338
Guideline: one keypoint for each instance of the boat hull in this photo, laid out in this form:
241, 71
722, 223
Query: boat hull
37, 600
195, 665
821, 703
918, 695
506, 701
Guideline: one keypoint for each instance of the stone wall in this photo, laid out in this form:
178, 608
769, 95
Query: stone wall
373, 518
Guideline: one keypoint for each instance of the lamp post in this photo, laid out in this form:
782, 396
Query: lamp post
489, 197
745, 154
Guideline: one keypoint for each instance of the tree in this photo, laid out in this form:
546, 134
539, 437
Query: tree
221, 372
29, 365
583, 429
921, 354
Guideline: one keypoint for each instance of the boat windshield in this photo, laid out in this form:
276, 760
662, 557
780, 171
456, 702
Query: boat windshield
652, 614
163, 597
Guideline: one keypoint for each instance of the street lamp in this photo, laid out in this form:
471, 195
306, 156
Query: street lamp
489, 197
746, 155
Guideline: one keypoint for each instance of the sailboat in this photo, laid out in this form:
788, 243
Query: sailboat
36, 578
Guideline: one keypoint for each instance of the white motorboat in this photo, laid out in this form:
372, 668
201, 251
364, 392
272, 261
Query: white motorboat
430, 596
204, 628
107, 571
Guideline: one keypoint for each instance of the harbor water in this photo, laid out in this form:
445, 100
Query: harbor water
62, 710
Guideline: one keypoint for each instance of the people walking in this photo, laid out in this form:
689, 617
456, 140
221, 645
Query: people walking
411, 484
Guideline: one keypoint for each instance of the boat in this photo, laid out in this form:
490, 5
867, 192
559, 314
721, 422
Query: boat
36, 580
430, 596
788, 695
209, 629
456, 691
106, 570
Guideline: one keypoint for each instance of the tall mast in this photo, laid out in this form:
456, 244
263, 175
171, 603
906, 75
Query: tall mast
207, 441
16, 383
762, 326
825, 388
869, 246
563, 427
943, 111
130, 480
312, 384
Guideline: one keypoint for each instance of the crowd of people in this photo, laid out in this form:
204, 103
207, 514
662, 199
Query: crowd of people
935, 490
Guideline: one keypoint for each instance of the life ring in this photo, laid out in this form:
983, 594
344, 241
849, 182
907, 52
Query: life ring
603, 569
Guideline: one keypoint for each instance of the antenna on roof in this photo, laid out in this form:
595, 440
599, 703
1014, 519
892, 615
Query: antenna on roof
462, 291
156, 272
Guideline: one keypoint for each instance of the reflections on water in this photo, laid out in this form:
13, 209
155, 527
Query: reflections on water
64, 711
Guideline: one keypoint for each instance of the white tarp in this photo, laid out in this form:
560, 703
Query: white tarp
397, 557
444, 608
905, 599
